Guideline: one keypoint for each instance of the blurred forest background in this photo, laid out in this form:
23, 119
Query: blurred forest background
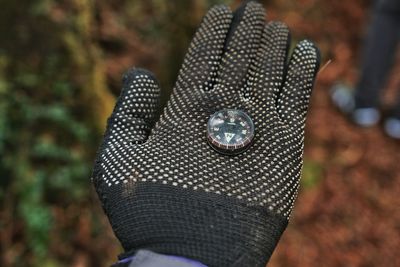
60, 69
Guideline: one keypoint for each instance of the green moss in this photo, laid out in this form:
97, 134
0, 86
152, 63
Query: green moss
311, 175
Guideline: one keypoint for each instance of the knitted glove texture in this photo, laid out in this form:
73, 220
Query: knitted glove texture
165, 189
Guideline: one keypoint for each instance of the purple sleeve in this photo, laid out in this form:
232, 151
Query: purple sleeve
146, 258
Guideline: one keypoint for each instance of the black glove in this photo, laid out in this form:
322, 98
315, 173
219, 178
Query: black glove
165, 189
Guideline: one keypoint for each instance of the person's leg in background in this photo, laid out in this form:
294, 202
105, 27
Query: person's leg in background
379, 53
378, 57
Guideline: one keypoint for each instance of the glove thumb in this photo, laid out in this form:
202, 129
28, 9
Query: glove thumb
136, 108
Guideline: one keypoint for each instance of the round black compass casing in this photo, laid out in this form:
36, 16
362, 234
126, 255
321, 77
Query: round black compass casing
230, 131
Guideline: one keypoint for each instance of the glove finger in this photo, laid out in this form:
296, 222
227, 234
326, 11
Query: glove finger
240, 48
136, 109
267, 71
203, 57
295, 95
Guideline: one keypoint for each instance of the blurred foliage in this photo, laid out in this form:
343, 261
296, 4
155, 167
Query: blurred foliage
60, 68
60, 63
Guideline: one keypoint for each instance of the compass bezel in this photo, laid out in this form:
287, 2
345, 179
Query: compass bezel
235, 148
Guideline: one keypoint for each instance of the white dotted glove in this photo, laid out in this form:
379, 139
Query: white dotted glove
166, 190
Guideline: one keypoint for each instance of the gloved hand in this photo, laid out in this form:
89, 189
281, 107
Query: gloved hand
165, 189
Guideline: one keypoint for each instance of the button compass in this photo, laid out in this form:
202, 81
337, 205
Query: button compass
230, 131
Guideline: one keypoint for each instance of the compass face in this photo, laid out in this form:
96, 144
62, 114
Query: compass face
230, 131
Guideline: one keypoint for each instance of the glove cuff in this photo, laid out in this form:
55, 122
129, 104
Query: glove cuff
213, 229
